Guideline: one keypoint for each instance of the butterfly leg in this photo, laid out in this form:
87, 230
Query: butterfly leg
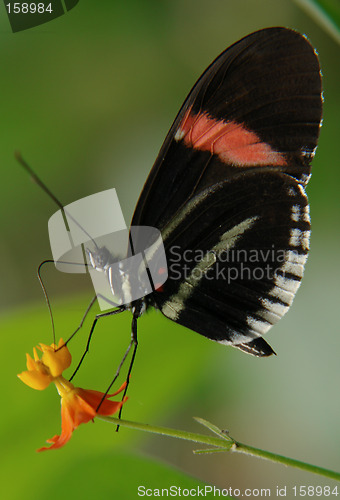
89, 307
98, 316
134, 343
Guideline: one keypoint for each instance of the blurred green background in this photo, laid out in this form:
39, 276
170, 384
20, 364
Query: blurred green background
88, 99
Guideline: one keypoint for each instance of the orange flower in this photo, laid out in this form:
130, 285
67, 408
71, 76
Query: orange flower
78, 406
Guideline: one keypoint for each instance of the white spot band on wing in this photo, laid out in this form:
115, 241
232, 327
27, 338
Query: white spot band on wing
176, 303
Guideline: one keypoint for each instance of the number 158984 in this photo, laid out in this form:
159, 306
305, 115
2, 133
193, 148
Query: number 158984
28, 8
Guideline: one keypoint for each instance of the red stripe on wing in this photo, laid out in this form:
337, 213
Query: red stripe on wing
231, 141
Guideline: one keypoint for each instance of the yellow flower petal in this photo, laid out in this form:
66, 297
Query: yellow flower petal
61, 343
36, 366
56, 360
31, 363
36, 380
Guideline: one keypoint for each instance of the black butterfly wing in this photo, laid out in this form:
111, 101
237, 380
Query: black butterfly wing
236, 259
230, 176
258, 104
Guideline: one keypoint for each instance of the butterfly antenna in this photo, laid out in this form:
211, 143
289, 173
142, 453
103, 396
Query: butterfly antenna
50, 261
46, 295
37, 180
43, 186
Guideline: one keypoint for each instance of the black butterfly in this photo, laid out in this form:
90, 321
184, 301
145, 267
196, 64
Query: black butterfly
227, 194
227, 191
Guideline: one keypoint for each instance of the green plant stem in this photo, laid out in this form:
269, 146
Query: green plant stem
165, 431
291, 462
225, 442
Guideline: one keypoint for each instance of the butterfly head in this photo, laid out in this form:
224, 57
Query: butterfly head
100, 259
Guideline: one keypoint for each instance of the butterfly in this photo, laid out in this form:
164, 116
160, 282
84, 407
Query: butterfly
227, 195
227, 191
